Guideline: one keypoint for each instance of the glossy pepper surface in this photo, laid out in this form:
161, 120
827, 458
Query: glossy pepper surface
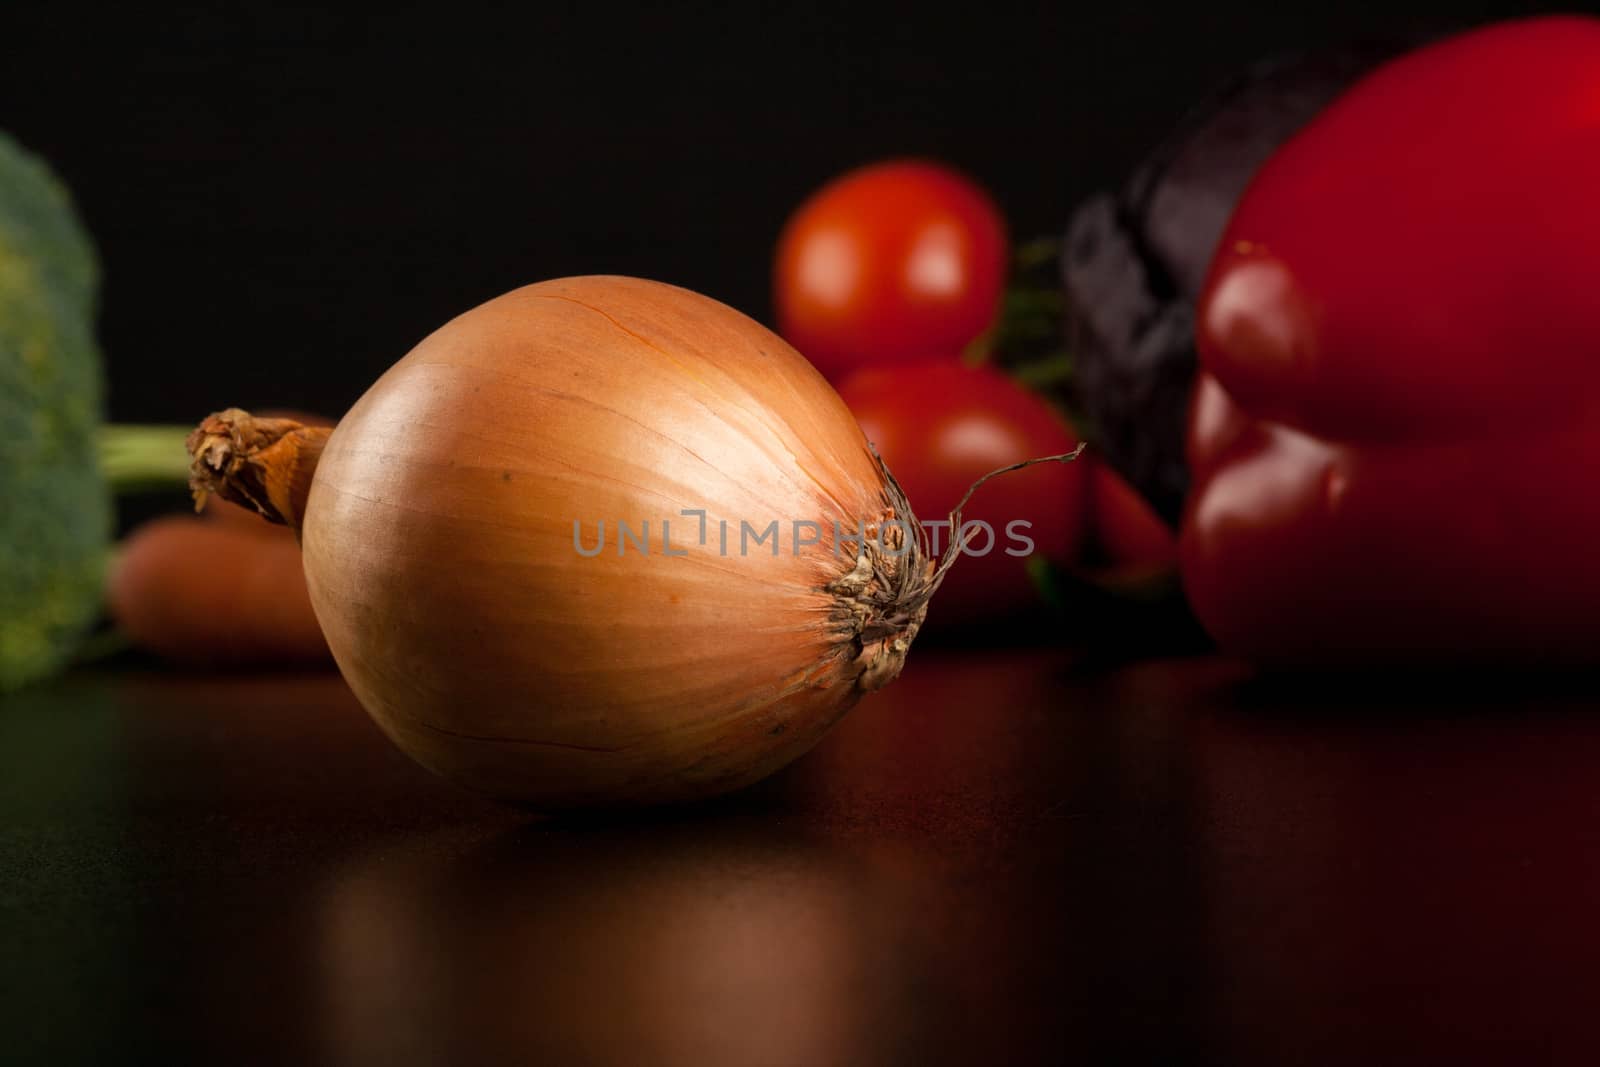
1395, 435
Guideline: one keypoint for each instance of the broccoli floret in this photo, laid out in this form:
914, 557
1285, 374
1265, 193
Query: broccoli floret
55, 510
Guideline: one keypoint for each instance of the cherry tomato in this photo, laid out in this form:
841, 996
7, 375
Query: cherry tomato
1133, 538
890, 264
940, 426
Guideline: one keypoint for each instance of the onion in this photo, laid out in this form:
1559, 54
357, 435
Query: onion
449, 526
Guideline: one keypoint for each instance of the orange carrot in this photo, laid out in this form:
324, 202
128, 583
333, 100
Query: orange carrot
212, 592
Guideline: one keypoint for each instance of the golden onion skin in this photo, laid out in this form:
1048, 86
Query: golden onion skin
439, 548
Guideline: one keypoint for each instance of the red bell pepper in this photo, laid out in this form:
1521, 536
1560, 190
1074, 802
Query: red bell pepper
1395, 435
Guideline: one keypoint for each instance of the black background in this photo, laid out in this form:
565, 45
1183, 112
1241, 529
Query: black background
287, 198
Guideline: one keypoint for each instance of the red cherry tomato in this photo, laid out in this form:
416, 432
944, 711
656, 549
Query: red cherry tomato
890, 264
1131, 535
940, 427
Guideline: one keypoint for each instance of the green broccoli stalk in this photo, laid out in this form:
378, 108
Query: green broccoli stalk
137, 458
55, 505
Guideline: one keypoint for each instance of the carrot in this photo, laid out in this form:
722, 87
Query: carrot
214, 592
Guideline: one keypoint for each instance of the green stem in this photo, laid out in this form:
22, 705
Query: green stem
1054, 369
137, 458
1030, 255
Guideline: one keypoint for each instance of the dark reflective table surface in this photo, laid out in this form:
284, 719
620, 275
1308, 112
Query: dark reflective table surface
1002, 858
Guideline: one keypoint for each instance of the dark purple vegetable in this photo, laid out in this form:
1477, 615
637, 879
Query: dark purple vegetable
1134, 261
